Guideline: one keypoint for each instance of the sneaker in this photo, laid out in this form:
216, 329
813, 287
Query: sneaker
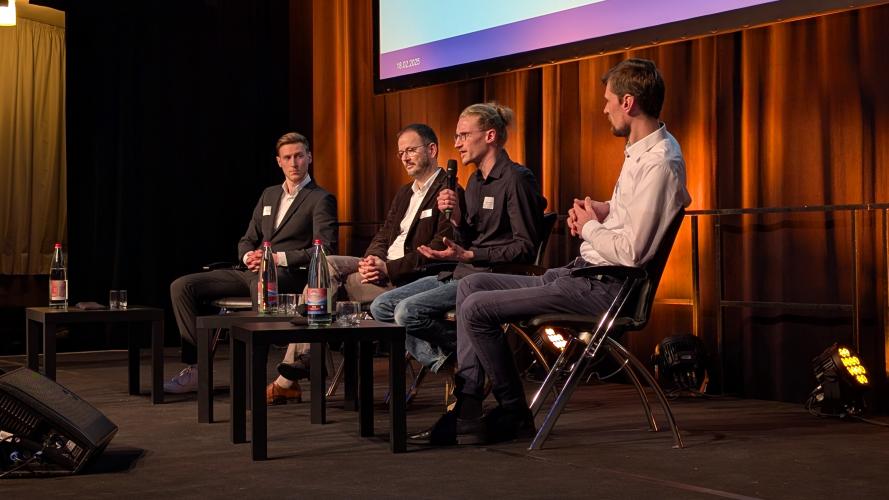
186, 381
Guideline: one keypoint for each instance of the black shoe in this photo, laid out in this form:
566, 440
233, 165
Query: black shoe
450, 430
299, 369
502, 424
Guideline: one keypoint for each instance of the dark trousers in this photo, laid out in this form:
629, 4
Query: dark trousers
485, 301
190, 294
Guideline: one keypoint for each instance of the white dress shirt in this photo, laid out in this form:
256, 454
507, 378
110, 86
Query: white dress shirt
396, 249
649, 192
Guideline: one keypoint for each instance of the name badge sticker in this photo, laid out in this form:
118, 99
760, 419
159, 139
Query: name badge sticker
488, 203
267, 210
426, 213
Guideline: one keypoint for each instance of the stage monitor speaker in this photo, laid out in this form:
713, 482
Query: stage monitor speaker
45, 429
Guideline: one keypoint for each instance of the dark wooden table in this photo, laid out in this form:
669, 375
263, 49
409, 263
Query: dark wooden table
252, 340
205, 325
49, 319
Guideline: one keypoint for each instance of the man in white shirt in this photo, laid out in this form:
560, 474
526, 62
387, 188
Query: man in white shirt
624, 231
391, 258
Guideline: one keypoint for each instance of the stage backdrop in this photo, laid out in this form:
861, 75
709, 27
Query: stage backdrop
786, 115
172, 120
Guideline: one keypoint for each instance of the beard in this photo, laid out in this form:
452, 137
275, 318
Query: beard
620, 132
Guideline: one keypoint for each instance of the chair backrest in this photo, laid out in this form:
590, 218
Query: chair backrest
635, 313
546, 229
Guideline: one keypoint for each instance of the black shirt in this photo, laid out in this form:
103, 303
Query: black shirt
502, 217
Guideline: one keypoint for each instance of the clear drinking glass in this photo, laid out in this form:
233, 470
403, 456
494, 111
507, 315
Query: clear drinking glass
122, 299
114, 299
348, 313
287, 304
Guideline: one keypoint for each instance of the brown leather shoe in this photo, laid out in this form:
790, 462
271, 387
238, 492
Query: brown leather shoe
277, 395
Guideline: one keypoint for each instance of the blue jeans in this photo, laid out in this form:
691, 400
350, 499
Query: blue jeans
420, 308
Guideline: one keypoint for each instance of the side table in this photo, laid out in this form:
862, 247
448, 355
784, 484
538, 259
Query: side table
48, 319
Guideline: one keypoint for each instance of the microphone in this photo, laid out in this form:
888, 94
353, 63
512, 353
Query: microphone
452, 182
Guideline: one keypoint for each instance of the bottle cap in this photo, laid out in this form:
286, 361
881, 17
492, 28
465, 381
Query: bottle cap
266, 244
58, 245
316, 242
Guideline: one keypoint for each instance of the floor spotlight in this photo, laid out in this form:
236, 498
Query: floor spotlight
842, 381
680, 365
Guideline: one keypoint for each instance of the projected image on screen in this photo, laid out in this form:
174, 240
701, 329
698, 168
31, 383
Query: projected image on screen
423, 35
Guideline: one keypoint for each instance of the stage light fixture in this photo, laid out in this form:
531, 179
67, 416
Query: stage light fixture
555, 339
842, 382
680, 365
7, 13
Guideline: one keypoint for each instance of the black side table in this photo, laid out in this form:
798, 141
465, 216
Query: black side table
204, 325
252, 340
48, 319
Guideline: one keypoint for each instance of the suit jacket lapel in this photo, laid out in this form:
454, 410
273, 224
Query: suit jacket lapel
300, 198
430, 200
268, 223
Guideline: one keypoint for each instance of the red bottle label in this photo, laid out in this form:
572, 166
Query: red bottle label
58, 290
316, 300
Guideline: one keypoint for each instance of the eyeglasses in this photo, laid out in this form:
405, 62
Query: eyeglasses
462, 136
412, 152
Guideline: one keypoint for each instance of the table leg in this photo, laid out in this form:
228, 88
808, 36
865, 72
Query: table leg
32, 339
49, 350
259, 355
157, 361
350, 375
133, 362
205, 377
366, 389
237, 392
397, 419
319, 398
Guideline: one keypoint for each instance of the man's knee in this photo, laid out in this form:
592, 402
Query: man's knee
181, 286
381, 309
473, 308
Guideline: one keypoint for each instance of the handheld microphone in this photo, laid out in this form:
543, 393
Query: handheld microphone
452, 182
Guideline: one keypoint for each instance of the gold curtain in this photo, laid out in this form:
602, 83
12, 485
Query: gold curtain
32, 145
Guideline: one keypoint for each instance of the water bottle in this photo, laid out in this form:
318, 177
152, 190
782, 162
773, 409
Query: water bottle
58, 280
267, 287
318, 289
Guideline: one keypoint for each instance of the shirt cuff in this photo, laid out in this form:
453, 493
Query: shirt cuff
281, 259
481, 254
244, 258
589, 228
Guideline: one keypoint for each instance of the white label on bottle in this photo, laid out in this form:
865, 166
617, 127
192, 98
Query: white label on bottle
58, 290
316, 301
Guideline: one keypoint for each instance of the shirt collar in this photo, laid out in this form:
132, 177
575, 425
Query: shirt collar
498, 168
642, 146
415, 187
299, 186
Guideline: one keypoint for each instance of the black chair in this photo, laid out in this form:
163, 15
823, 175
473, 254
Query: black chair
589, 335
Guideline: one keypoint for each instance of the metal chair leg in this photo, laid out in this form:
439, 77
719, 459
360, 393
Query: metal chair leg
551, 377
640, 390
649, 379
559, 404
337, 376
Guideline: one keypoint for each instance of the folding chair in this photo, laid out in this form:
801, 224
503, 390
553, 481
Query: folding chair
629, 311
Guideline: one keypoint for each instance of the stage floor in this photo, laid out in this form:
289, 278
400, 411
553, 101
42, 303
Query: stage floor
600, 448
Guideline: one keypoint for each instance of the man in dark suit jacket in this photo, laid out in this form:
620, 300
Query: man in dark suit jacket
391, 259
290, 217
